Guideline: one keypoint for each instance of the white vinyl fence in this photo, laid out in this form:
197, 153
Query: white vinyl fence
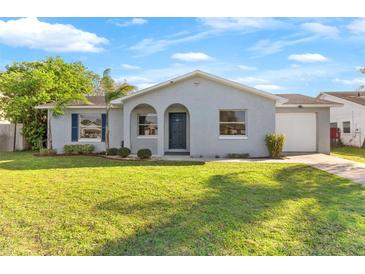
7, 137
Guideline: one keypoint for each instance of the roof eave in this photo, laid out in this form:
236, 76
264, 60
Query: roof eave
308, 105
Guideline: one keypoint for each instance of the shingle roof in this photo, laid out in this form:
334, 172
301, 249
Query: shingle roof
93, 101
299, 99
352, 96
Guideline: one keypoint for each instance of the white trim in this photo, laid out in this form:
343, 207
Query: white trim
207, 76
233, 137
307, 106
76, 107
147, 136
89, 140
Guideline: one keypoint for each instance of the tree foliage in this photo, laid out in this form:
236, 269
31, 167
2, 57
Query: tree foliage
25, 85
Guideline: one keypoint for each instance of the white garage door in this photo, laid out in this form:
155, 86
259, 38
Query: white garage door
299, 130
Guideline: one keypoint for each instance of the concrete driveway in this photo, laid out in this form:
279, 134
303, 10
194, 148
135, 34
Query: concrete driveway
344, 168
351, 170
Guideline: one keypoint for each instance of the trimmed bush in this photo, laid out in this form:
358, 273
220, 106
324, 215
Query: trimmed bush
238, 155
124, 152
112, 151
144, 153
47, 152
275, 143
78, 149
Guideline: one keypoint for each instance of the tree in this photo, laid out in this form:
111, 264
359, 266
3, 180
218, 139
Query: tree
25, 85
112, 91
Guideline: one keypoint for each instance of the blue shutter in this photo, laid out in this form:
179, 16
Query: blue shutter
103, 125
74, 127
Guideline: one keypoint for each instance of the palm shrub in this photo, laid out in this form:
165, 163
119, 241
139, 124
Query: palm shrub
275, 143
144, 153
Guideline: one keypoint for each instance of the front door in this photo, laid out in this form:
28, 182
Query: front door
177, 130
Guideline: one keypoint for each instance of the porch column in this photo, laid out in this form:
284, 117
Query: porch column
127, 127
161, 131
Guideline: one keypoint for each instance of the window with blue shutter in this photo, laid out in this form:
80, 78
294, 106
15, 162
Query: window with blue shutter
103, 126
74, 127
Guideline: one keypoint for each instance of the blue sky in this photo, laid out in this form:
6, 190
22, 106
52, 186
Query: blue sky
279, 55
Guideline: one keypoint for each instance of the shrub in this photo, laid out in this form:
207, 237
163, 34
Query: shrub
275, 143
47, 152
78, 149
112, 151
124, 152
144, 153
238, 155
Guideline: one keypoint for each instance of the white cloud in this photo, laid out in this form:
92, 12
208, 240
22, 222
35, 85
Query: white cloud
308, 57
357, 26
191, 56
149, 45
244, 67
268, 87
321, 29
34, 34
130, 67
239, 23
267, 46
132, 22
249, 80
355, 81
258, 83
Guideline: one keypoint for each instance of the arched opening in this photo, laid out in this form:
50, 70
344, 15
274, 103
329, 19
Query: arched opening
177, 130
143, 128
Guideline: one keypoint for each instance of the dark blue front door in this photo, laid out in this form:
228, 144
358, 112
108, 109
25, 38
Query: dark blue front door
177, 130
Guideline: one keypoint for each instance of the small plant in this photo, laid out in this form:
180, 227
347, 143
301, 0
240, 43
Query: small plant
144, 153
78, 149
275, 143
112, 151
124, 152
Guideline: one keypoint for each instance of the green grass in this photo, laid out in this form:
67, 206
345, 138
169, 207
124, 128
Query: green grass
350, 153
93, 206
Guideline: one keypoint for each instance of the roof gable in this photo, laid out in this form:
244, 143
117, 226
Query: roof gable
351, 96
206, 76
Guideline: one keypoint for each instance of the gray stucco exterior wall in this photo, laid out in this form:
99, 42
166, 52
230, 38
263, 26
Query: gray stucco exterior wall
61, 129
323, 125
203, 99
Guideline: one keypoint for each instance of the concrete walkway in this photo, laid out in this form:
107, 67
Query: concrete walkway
344, 168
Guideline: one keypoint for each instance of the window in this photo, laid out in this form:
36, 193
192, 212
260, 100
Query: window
90, 127
232, 123
346, 127
147, 125
333, 125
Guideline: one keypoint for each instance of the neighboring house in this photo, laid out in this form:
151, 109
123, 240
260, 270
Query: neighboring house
350, 118
197, 114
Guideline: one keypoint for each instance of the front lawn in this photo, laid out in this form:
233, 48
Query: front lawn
350, 153
93, 206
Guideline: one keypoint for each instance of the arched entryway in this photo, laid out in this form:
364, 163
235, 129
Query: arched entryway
143, 128
177, 130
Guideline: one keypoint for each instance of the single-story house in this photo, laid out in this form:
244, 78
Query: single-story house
197, 114
350, 117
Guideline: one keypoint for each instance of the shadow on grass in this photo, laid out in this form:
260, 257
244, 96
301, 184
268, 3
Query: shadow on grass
234, 205
26, 161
